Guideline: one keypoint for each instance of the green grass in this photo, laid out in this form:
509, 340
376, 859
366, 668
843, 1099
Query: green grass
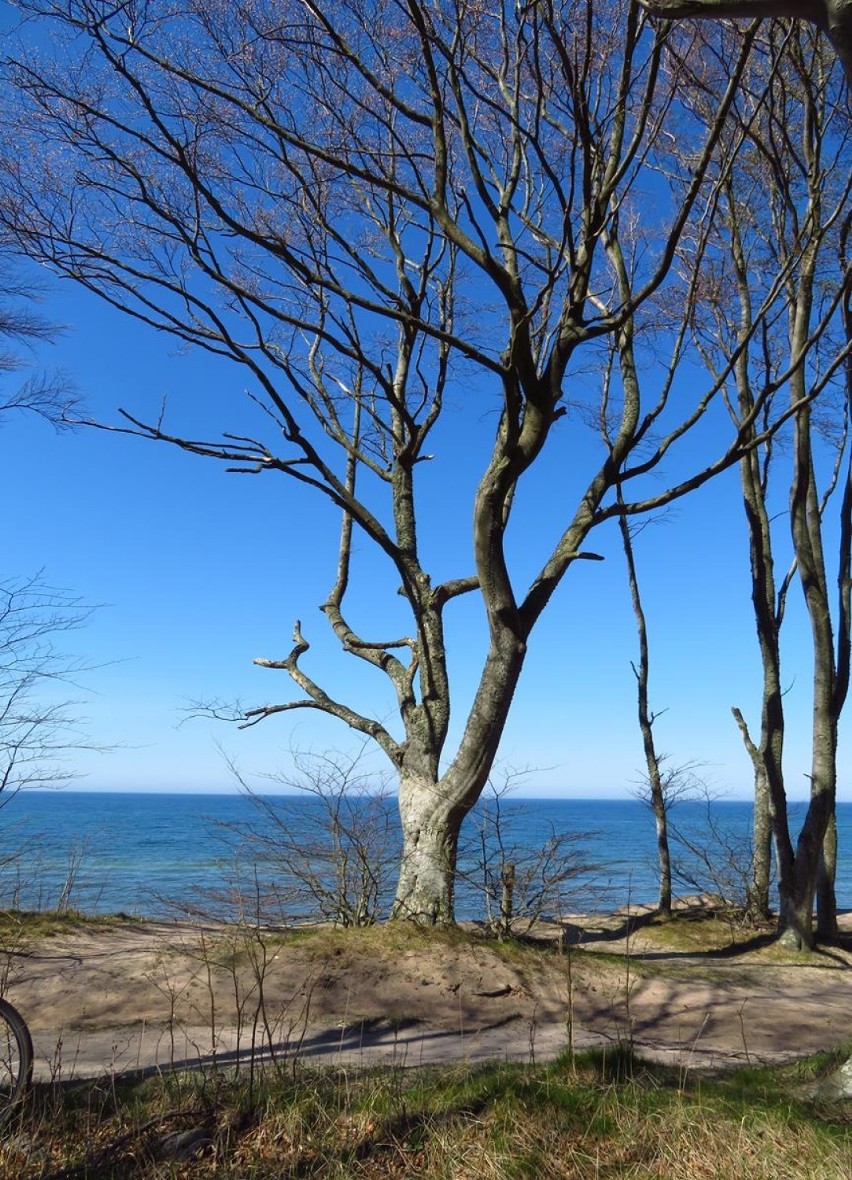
594, 1116
16, 924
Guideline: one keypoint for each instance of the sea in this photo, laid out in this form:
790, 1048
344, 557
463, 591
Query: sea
169, 855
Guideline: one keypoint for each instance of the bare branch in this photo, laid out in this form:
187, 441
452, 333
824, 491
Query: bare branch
318, 699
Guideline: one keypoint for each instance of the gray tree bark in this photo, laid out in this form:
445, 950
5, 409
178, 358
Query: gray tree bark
759, 905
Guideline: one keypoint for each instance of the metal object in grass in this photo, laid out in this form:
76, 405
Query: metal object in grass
16, 1057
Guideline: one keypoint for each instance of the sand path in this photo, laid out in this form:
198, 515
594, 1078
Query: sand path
126, 996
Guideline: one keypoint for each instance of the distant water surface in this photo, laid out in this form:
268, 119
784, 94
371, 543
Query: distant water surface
152, 854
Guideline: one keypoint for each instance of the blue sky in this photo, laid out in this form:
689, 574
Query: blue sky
199, 571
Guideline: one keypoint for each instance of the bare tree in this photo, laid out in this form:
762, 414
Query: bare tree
330, 857
796, 177
380, 213
806, 871
521, 879
714, 856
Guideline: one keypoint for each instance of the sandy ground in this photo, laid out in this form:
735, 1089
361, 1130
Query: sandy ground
127, 996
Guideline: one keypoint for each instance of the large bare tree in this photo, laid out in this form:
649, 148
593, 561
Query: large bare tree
401, 220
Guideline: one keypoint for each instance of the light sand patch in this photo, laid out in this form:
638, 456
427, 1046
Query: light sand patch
129, 995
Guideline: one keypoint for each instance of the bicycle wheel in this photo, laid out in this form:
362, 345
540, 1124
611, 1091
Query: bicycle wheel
16, 1055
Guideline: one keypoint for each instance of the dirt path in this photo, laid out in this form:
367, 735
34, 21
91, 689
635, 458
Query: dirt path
123, 996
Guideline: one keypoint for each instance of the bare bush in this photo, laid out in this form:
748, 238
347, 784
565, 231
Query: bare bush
38, 725
715, 859
326, 851
518, 882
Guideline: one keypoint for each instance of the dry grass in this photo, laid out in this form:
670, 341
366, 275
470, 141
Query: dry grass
600, 1116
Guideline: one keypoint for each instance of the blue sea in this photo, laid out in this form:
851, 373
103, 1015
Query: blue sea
159, 855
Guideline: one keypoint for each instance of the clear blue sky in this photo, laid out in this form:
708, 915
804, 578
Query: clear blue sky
199, 571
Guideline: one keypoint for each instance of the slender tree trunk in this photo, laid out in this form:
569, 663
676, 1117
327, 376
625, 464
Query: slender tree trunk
656, 787
826, 897
762, 815
806, 530
761, 864
663, 854
797, 910
766, 758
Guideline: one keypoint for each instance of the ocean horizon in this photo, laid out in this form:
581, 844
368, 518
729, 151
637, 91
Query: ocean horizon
159, 854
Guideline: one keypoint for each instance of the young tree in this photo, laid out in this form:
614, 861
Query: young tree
658, 782
379, 213
520, 882
330, 859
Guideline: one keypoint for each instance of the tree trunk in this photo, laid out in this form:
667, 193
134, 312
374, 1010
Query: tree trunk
663, 855
656, 787
827, 873
768, 604
806, 530
761, 865
795, 919
430, 835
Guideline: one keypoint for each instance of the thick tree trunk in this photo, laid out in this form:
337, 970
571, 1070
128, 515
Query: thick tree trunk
799, 882
795, 919
807, 875
430, 836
